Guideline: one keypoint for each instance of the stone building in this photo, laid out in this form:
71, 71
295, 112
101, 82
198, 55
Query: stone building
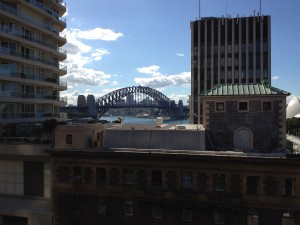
245, 117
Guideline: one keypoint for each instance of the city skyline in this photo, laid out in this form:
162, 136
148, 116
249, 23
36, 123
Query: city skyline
116, 45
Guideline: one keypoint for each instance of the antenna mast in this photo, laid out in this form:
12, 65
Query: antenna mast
226, 8
199, 9
260, 7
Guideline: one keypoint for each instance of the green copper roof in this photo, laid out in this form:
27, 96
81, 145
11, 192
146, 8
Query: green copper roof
244, 89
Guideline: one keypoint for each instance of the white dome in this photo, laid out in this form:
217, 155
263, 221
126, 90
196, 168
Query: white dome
293, 108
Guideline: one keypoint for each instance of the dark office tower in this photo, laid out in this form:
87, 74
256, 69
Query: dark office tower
90, 102
81, 101
228, 51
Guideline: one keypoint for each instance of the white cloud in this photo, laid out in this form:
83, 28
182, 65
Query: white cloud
79, 55
152, 70
99, 33
180, 54
275, 77
159, 80
83, 76
98, 53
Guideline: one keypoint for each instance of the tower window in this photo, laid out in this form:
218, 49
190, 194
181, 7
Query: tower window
243, 106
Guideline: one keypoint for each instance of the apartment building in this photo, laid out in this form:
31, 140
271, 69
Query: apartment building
30, 69
228, 51
31, 39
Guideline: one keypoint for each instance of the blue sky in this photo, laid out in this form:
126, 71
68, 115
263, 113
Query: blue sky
113, 44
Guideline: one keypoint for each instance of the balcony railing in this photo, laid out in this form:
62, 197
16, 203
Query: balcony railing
22, 115
24, 55
13, 94
185, 194
25, 140
30, 20
16, 33
223, 198
46, 9
33, 77
155, 193
61, 2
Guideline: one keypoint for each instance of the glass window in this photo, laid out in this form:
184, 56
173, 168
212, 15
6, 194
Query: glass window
289, 186
156, 178
187, 215
243, 106
77, 174
156, 212
33, 178
63, 174
69, 139
267, 106
128, 177
101, 176
128, 208
220, 107
252, 184
186, 180
219, 182
101, 206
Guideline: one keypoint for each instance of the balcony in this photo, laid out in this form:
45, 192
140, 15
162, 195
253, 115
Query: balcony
223, 199
27, 37
61, 2
46, 9
154, 193
27, 115
28, 95
32, 21
25, 140
32, 57
33, 77
187, 195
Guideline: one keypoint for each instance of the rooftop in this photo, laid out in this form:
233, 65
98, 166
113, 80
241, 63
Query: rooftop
244, 90
155, 137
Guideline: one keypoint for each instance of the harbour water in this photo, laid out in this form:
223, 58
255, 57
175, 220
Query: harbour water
133, 120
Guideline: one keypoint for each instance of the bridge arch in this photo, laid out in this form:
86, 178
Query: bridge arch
115, 99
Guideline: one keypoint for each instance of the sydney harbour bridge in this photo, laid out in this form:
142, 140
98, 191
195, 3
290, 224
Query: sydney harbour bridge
131, 97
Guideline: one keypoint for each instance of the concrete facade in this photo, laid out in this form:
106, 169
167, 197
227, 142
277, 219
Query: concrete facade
25, 185
228, 51
31, 39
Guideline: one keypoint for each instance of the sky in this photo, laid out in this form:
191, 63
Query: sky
114, 44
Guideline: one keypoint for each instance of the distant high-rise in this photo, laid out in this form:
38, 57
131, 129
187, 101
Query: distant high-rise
90, 102
81, 101
228, 51
30, 68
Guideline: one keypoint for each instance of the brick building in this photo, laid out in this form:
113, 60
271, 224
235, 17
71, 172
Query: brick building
164, 174
244, 117
123, 186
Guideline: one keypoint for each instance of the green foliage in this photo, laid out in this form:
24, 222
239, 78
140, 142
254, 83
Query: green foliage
49, 125
293, 125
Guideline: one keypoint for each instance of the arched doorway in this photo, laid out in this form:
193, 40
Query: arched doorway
243, 139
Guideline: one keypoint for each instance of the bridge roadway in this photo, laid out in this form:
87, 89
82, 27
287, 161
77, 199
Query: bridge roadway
131, 97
